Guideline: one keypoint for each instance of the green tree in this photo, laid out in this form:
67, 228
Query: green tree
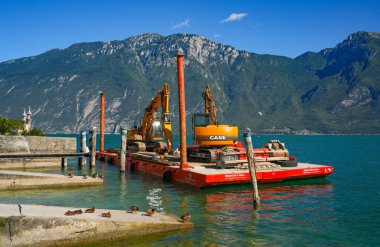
33, 132
10, 126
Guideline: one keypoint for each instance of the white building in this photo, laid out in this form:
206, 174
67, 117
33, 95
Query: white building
27, 118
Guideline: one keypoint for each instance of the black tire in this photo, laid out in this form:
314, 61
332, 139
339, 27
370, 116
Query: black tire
167, 177
288, 163
132, 167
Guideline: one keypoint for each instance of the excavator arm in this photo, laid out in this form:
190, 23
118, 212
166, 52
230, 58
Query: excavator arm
165, 99
210, 107
146, 129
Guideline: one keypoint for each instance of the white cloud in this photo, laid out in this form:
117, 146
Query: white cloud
234, 17
185, 23
216, 35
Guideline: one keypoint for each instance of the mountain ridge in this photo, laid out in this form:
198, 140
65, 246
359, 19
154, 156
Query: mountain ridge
334, 90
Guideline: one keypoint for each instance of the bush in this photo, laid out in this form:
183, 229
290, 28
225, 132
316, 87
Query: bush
33, 132
10, 126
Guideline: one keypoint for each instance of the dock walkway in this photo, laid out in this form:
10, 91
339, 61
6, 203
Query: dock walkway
15, 180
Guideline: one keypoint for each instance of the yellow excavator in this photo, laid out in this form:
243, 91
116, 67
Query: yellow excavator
149, 135
209, 135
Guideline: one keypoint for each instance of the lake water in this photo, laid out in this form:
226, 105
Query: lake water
340, 210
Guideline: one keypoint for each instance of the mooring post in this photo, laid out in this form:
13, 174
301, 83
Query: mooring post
123, 149
252, 168
64, 162
182, 111
83, 148
92, 146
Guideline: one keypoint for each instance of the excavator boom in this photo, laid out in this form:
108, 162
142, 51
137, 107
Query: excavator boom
210, 107
150, 129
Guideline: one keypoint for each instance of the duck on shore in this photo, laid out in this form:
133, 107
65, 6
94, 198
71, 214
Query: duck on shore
69, 213
70, 174
185, 218
79, 211
150, 211
134, 209
107, 215
90, 210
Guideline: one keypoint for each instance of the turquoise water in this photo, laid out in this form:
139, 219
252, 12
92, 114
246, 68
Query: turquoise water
340, 210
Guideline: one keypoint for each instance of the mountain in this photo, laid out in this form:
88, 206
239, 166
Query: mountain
332, 91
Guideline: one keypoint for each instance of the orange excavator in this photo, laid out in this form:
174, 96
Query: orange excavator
209, 135
214, 142
149, 135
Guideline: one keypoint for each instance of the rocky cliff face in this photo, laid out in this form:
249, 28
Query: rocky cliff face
335, 90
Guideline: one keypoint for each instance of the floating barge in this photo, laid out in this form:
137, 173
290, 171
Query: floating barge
208, 174
222, 163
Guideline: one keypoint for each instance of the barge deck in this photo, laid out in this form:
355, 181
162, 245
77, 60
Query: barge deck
208, 174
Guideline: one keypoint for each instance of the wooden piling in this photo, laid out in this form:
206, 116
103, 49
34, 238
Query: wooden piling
92, 146
83, 148
64, 162
123, 149
252, 169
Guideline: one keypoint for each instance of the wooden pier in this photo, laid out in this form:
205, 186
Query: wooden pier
42, 155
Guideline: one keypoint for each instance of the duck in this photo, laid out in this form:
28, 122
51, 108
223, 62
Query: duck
186, 217
90, 210
107, 215
101, 176
84, 176
95, 175
134, 209
150, 211
79, 211
69, 213
70, 174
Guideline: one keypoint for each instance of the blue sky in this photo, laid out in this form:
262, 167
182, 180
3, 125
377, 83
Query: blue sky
287, 28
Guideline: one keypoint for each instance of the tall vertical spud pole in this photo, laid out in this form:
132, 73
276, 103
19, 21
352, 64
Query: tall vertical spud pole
102, 122
182, 110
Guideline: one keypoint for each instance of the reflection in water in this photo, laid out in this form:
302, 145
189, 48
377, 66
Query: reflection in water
231, 209
123, 187
92, 171
155, 200
101, 166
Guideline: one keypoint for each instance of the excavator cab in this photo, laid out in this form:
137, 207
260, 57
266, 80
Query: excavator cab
207, 134
201, 120
158, 131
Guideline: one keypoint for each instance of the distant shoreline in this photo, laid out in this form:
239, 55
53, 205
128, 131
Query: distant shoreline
267, 134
